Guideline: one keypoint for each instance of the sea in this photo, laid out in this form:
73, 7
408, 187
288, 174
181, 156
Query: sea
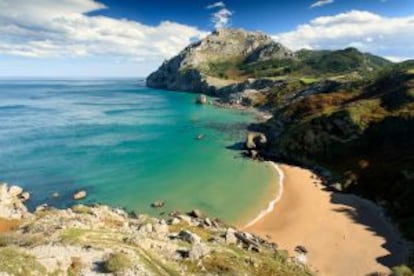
128, 146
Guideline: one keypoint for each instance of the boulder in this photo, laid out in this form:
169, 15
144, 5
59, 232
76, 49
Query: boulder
15, 190
188, 236
25, 196
301, 249
255, 140
201, 99
158, 204
195, 213
55, 195
230, 236
174, 221
79, 195
186, 219
198, 251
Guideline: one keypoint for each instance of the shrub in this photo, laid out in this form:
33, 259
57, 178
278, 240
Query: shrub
117, 262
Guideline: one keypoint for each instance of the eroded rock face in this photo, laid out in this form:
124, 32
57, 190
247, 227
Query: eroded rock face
187, 70
11, 203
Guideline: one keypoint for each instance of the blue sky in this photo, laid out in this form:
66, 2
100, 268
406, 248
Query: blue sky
130, 38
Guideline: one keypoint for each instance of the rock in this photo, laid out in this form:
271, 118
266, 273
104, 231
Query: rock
301, 249
188, 236
146, 228
161, 229
255, 140
198, 251
337, 187
200, 137
208, 222
55, 195
25, 196
201, 99
230, 236
41, 207
79, 195
186, 219
15, 190
158, 204
254, 154
174, 221
196, 213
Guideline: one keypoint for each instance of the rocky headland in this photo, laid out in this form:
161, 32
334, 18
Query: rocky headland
344, 114
96, 240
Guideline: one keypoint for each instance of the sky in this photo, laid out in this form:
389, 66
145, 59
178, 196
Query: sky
131, 38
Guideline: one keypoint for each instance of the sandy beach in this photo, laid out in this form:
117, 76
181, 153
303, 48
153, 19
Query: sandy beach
344, 234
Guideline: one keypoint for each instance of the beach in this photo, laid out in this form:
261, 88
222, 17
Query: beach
344, 234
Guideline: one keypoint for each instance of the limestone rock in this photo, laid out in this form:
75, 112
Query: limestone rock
188, 236
158, 204
80, 195
201, 99
230, 236
15, 190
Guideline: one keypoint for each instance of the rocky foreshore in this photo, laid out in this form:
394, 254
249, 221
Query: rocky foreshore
91, 240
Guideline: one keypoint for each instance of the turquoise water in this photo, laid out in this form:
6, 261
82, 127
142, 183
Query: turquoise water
127, 145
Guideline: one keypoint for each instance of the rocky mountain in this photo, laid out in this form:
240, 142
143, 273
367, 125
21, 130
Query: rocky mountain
97, 240
194, 69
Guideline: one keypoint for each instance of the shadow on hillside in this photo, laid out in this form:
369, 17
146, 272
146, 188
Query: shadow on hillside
371, 217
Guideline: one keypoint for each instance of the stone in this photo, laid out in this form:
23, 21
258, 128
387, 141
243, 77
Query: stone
174, 221
198, 251
208, 222
188, 236
201, 99
15, 190
25, 196
41, 207
301, 249
161, 229
195, 213
79, 195
158, 204
230, 236
337, 187
186, 219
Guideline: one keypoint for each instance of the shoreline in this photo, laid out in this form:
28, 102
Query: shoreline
344, 234
271, 205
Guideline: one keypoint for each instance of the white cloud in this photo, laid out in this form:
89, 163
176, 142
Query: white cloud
50, 28
321, 3
220, 18
392, 36
216, 5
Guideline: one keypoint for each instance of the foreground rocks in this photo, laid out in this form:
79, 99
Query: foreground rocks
74, 241
11, 202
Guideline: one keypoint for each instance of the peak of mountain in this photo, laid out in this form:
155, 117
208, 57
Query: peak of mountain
190, 69
232, 56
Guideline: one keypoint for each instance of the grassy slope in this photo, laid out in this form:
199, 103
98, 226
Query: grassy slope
365, 135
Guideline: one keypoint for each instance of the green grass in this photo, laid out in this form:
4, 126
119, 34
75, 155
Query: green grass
309, 80
16, 262
117, 262
72, 236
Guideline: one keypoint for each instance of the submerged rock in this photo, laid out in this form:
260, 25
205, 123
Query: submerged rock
80, 195
158, 204
201, 99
